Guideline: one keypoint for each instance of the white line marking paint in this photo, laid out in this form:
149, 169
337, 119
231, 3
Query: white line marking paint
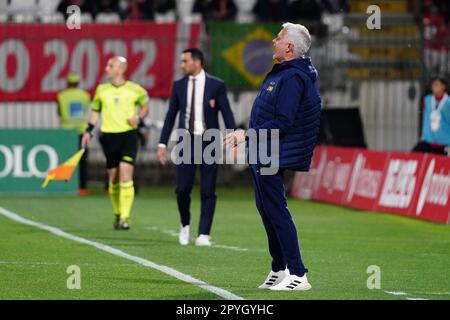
396, 293
147, 263
229, 247
169, 232
37, 263
401, 293
174, 233
20, 262
432, 293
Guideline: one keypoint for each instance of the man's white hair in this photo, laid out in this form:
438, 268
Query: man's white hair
299, 35
121, 59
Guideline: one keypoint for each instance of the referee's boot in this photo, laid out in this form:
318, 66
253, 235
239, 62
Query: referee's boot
124, 225
116, 223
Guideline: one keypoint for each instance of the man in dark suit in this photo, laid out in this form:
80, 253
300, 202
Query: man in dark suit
198, 98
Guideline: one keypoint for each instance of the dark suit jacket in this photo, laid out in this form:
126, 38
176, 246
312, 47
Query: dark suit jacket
214, 91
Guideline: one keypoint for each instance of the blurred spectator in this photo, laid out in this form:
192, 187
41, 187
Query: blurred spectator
435, 135
109, 6
336, 6
86, 6
436, 38
201, 6
164, 6
305, 10
440, 6
220, 10
270, 10
140, 10
73, 105
223, 9
146, 9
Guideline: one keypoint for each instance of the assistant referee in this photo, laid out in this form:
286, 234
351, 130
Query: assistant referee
117, 101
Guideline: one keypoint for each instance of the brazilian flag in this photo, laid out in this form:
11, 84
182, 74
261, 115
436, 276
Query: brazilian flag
242, 53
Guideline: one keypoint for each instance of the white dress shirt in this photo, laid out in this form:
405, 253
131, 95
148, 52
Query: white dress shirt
200, 81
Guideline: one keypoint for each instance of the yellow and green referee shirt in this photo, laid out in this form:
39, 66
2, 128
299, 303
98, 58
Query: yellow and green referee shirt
118, 104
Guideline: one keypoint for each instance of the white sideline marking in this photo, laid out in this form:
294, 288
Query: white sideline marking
229, 247
396, 293
401, 293
169, 232
30, 263
433, 293
174, 233
147, 263
37, 263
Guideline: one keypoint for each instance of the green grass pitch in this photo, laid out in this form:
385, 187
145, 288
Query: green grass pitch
338, 245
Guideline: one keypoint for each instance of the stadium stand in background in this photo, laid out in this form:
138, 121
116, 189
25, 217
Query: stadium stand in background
436, 19
382, 72
52, 11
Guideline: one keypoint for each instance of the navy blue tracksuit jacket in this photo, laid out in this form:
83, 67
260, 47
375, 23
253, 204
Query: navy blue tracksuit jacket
290, 102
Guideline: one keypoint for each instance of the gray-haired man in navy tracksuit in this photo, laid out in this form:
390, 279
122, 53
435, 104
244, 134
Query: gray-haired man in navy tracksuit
289, 102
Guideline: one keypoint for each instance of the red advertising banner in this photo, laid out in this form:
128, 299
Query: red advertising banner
401, 182
306, 184
36, 58
335, 170
432, 202
413, 184
368, 173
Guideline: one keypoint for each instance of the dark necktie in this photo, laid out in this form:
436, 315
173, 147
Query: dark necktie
192, 116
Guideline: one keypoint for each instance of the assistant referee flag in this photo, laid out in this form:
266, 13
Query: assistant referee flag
65, 170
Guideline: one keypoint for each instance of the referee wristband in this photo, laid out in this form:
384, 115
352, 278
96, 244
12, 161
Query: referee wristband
90, 128
141, 122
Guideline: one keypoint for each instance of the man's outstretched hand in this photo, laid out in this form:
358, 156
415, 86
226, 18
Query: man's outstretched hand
234, 138
162, 155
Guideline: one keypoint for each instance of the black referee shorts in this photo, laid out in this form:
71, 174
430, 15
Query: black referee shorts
119, 147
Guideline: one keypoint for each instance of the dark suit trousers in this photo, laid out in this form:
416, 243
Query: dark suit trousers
278, 223
185, 177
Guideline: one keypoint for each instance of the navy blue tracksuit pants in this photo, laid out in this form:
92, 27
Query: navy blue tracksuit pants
185, 177
280, 227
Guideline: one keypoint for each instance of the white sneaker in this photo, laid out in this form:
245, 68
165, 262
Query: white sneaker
291, 283
203, 240
184, 237
274, 278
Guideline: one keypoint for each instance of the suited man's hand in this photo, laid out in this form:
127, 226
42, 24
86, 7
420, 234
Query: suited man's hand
162, 155
234, 138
